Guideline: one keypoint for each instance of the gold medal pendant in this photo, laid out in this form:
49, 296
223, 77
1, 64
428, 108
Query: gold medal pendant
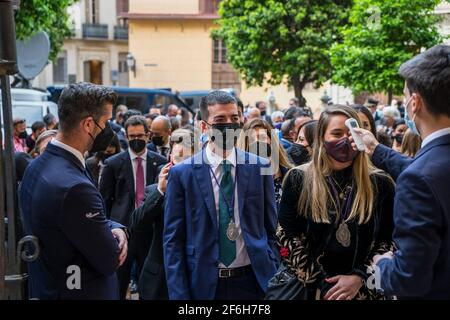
343, 235
232, 231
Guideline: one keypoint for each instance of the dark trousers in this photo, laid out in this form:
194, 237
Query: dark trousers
138, 246
243, 287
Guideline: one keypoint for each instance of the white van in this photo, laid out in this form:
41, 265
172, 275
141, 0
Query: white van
31, 105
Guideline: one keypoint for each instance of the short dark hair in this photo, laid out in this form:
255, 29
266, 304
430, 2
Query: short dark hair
213, 98
48, 119
429, 75
373, 101
81, 100
258, 103
293, 112
130, 113
240, 104
38, 125
136, 121
398, 122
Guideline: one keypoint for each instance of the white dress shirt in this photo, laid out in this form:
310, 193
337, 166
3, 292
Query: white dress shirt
68, 148
133, 158
242, 258
435, 135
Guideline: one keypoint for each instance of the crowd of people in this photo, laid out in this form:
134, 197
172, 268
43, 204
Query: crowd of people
230, 202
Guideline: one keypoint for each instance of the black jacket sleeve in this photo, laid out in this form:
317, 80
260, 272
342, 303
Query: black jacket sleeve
142, 218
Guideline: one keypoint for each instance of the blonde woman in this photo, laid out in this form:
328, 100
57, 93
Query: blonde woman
335, 214
259, 137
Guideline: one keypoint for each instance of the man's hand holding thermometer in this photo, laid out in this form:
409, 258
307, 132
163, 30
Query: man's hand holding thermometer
361, 139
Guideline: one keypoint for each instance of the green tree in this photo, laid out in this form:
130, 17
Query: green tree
278, 40
45, 15
381, 35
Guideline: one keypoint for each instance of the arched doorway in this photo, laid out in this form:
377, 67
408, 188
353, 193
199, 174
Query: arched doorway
93, 70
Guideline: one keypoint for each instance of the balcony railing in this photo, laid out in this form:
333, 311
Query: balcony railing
95, 30
120, 33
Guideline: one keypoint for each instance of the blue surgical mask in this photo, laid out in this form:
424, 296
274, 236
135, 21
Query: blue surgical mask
410, 122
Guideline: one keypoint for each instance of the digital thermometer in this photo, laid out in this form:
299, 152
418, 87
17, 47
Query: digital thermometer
351, 125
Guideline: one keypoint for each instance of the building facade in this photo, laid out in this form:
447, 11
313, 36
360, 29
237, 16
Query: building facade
444, 27
98, 50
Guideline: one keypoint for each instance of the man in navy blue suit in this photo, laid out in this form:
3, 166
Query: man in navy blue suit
420, 267
80, 248
220, 215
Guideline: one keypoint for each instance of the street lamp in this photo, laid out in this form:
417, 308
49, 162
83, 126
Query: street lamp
131, 63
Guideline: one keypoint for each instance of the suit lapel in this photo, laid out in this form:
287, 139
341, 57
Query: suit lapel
129, 175
243, 177
202, 175
151, 170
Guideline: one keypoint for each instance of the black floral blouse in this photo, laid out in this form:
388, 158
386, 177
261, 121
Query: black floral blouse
309, 249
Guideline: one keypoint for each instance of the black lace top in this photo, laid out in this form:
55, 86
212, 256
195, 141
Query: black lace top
311, 250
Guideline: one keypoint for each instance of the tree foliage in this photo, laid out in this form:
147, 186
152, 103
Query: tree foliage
381, 35
281, 38
45, 15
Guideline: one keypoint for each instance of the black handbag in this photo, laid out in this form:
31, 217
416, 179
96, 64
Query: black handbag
285, 285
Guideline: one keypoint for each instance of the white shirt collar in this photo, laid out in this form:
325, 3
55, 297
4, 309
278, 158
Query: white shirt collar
435, 135
68, 148
134, 155
216, 160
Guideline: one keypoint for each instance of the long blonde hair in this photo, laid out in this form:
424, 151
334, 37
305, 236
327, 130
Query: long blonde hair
244, 143
315, 195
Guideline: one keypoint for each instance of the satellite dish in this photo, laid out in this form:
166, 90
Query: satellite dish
32, 55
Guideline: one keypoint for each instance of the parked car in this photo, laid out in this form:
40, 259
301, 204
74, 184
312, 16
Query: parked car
31, 105
135, 98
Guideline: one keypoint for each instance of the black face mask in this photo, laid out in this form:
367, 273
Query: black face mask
261, 149
299, 154
158, 141
263, 113
23, 135
227, 140
399, 138
103, 139
137, 145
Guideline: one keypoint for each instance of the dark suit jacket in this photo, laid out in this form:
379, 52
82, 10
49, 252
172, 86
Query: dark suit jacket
421, 267
390, 161
64, 210
117, 183
148, 219
117, 128
191, 244
152, 147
